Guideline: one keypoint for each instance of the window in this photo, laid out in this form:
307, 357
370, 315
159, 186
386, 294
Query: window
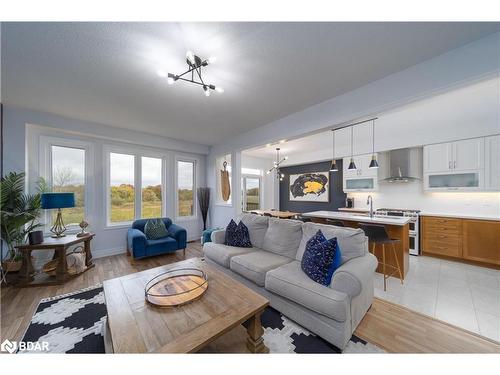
219, 167
151, 197
68, 175
251, 193
121, 186
185, 188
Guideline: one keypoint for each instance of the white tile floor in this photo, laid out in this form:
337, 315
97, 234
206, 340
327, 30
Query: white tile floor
464, 295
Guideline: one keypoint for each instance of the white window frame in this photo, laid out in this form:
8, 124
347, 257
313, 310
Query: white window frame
195, 188
45, 169
137, 153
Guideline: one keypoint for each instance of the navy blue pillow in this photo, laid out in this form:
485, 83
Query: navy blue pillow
237, 235
321, 258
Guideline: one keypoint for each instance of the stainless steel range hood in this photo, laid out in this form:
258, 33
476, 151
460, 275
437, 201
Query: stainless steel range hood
405, 165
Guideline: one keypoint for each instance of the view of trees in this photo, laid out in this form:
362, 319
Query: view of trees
63, 178
185, 202
252, 199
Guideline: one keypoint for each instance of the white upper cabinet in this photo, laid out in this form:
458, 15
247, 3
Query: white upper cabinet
492, 162
455, 165
468, 154
438, 158
362, 178
456, 156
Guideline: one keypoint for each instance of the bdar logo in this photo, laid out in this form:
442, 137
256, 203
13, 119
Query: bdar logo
8, 346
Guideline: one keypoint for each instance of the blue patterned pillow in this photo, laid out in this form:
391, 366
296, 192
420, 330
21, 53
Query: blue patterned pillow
155, 229
321, 258
237, 235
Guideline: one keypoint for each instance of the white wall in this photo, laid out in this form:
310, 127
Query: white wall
465, 66
411, 196
22, 132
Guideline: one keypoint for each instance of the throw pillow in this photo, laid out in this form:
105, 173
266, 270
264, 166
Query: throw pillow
320, 259
237, 235
155, 229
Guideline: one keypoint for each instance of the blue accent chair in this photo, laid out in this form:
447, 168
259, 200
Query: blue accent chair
139, 246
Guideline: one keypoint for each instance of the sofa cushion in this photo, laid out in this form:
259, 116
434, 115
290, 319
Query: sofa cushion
257, 227
237, 235
283, 237
318, 259
161, 246
352, 241
222, 254
254, 266
290, 282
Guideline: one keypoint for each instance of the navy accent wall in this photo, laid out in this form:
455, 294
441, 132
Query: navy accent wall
337, 195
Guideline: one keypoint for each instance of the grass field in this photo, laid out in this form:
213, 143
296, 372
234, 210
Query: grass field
125, 211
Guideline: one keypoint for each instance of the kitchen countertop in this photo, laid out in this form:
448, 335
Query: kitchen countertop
336, 215
346, 209
460, 216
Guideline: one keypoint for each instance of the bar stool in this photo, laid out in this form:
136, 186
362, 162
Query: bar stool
378, 235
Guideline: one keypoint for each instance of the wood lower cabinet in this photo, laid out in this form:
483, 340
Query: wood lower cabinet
475, 240
481, 241
442, 236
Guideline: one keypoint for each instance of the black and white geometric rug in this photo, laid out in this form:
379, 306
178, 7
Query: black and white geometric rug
74, 322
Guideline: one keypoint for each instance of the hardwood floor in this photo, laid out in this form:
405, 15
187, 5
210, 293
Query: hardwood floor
393, 328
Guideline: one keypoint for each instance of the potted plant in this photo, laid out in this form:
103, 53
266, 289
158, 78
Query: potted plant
18, 214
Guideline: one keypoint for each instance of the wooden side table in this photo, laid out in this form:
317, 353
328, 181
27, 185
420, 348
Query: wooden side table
60, 246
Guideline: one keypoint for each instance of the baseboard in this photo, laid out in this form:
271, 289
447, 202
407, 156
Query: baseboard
108, 252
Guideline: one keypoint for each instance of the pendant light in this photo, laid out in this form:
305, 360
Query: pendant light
352, 165
374, 162
333, 167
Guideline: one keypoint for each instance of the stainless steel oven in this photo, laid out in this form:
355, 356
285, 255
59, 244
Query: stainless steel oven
413, 225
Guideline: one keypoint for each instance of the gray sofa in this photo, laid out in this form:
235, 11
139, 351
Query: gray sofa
272, 268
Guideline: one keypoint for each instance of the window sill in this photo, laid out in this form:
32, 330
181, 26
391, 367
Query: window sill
123, 225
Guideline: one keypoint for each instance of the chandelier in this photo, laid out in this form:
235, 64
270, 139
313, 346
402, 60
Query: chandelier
195, 66
276, 166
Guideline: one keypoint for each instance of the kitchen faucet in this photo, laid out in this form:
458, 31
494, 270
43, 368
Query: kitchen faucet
369, 201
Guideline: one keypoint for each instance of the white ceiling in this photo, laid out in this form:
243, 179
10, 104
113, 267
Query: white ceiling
318, 141
106, 72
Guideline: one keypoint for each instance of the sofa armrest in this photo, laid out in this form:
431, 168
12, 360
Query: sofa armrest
180, 235
218, 236
136, 242
354, 275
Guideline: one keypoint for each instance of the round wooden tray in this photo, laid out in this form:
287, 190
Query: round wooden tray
176, 287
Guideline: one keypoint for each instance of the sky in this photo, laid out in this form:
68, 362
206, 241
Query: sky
64, 158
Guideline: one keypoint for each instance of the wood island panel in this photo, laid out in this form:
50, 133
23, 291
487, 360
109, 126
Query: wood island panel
400, 232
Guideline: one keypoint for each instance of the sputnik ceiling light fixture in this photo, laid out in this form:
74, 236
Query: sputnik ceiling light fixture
195, 65
276, 166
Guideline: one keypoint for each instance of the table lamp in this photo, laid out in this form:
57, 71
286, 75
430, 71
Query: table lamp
58, 200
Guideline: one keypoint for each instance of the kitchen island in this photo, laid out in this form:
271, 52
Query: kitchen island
396, 227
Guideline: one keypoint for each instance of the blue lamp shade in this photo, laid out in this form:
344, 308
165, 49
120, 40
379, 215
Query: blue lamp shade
58, 200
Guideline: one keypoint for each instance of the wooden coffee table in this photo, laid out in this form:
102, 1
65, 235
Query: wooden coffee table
135, 326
